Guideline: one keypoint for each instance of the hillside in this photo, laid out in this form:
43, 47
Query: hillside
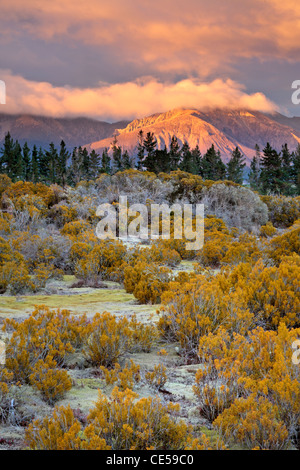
226, 129
40, 130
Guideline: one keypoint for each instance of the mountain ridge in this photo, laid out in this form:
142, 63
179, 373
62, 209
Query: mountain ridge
224, 128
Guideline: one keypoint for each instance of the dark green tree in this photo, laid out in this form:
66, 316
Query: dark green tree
35, 173
61, 170
271, 175
150, 145
212, 167
52, 157
26, 165
105, 162
140, 151
235, 166
295, 173
174, 154
94, 164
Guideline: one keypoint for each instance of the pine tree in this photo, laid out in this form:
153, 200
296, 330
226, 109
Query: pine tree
212, 166
254, 175
17, 167
140, 151
74, 173
43, 165
126, 161
116, 155
295, 173
7, 155
174, 154
34, 165
26, 165
52, 157
271, 175
105, 162
286, 162
235, 166
150, 145
162, 160
94, 164
62, 160
196, 161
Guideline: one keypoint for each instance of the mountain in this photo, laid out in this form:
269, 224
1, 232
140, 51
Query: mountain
40, 130
226, 129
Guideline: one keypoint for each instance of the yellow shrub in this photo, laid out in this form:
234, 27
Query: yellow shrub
158, 377
267, 230
147, 282
254, 423
45, 335
130, 424
53, 383
124, 377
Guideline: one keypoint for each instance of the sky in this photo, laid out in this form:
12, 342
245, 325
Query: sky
117, 59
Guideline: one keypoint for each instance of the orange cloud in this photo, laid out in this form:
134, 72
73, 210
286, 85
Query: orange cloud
126, 100
190, 35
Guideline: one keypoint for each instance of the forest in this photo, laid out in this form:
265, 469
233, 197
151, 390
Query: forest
270, 171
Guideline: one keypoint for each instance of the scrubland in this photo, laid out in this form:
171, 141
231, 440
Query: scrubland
115, 345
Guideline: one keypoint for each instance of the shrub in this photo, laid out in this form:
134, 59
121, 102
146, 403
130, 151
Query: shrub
110, 338
53, 383
6, 378
250, 367
130, 424
255, 423
284, 245
283, 210
124, 377
158, 377
119, 423
45, 335
15, 277
267, 230
58, 432
147, 282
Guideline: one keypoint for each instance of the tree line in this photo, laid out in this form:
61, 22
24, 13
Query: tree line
270, 171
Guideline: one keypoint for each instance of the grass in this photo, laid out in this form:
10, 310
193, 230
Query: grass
78, 303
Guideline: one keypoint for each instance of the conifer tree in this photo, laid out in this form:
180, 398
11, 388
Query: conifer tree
235, 166
212, 166
94, 164
7, 155
26, 162
150, 145
254, 174
286, 161
140, 151
105, 162
271, 175
62, 161
295, 172
174, 154
17, 167
43, 165
52, 157
116, 155
126, 161
34, 165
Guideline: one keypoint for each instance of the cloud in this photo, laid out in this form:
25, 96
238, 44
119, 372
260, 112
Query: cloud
126, 100
194, 36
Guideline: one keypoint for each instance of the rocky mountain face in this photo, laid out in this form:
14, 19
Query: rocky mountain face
40, 130
226, 129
